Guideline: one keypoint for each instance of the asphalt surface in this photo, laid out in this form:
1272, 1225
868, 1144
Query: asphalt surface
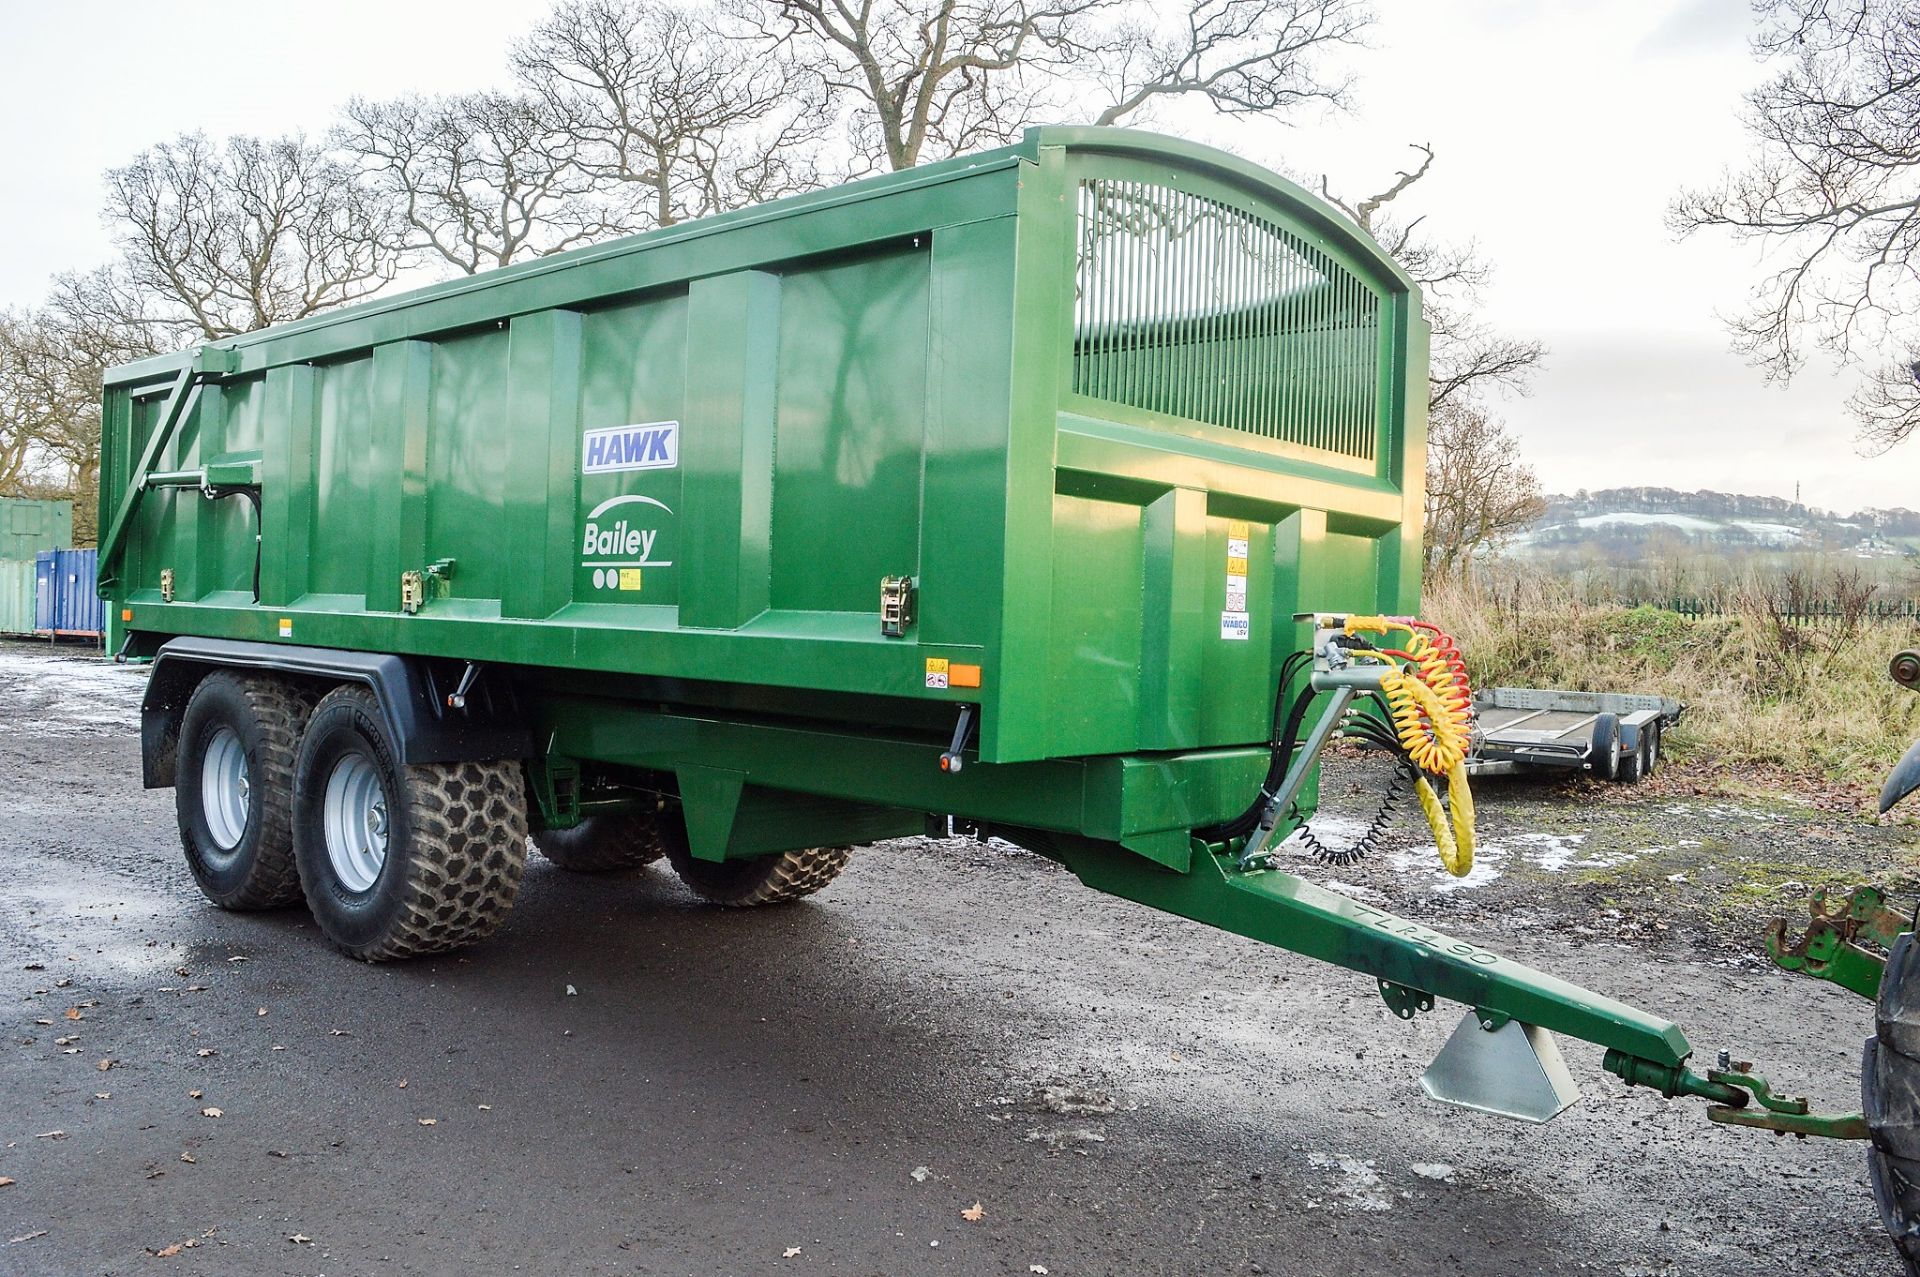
624, 1081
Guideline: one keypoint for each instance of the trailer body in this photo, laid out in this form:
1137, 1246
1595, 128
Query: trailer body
1112, 409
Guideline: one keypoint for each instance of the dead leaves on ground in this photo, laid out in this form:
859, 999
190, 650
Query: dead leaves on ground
974, 1213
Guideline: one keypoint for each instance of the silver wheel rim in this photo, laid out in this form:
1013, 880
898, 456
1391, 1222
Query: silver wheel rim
226, 788
355, 822
1653, 749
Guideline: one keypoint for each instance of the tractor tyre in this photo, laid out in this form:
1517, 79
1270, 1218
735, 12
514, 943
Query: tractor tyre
401, 859
761, 880
611, 842
233, 789
1890, 1098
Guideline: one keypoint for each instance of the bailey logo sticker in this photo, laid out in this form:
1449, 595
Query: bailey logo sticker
621, 538
654, 445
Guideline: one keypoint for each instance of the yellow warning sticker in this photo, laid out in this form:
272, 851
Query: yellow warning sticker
629, 578
286, 627
1236, 566
1237, 530
937, 667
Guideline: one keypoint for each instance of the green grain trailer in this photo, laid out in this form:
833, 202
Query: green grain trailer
990, 491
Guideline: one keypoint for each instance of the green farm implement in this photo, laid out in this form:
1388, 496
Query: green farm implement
1070, 491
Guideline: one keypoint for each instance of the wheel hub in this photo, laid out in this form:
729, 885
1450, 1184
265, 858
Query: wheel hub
354, 822
226, 788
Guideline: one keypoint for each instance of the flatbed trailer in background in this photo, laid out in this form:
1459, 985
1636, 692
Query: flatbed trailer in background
1615, 735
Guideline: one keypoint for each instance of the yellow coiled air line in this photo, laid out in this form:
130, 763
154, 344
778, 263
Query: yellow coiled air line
1431, 706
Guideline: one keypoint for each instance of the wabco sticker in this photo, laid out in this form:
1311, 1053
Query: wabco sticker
1234, 625
652, 446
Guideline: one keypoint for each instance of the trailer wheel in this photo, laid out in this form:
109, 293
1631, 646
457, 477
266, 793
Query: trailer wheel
1651, 735
761, 880
1605, 758
1890, 1098
233, 790
1633, 763
606, 843
401, 859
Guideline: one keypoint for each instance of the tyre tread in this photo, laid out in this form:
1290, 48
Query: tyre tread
764, 880
281, 710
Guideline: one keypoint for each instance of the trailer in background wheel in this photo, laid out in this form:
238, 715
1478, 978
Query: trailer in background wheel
1614, 735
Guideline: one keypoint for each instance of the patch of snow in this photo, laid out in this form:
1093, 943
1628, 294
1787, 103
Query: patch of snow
1433, 1170
68, 695
1358, 1184
1685, 522
1423, 862
1772, 533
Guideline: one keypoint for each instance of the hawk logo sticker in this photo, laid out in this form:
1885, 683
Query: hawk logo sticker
652, 446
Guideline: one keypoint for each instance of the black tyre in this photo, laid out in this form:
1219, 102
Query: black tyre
1651, 733
607, 843
1633, 763
762, 880
1890, 1098
233, 789
1605, 758
398, 859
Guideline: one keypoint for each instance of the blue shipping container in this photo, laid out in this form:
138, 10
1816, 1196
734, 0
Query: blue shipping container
65, 605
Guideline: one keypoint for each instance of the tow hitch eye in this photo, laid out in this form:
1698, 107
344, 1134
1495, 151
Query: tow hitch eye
1740, 1097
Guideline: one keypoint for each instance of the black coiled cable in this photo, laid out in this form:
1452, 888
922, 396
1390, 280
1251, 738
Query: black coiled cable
1356, 851
1362, 725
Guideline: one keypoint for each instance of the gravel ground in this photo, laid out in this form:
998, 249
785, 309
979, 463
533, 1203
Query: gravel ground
624, 1081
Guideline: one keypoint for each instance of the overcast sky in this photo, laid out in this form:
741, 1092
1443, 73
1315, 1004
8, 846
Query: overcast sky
1562, 128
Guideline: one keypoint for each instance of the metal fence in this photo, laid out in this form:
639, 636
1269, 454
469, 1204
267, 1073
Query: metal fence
1806, 612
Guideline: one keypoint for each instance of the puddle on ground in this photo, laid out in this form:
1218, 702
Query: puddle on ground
47, 912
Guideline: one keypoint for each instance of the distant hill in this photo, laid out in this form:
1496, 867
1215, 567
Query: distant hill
1616, 521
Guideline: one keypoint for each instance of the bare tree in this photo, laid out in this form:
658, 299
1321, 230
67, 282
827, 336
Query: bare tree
1834, 191
226, 239
931, 78
1479, 492
1468, 355
923, 79
1244, 57
52, 364
663, 101
478, 180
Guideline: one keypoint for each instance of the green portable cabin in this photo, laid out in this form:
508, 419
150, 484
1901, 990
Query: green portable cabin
28, 526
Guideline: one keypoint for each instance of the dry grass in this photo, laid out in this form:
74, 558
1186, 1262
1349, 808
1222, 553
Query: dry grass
1812, 700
